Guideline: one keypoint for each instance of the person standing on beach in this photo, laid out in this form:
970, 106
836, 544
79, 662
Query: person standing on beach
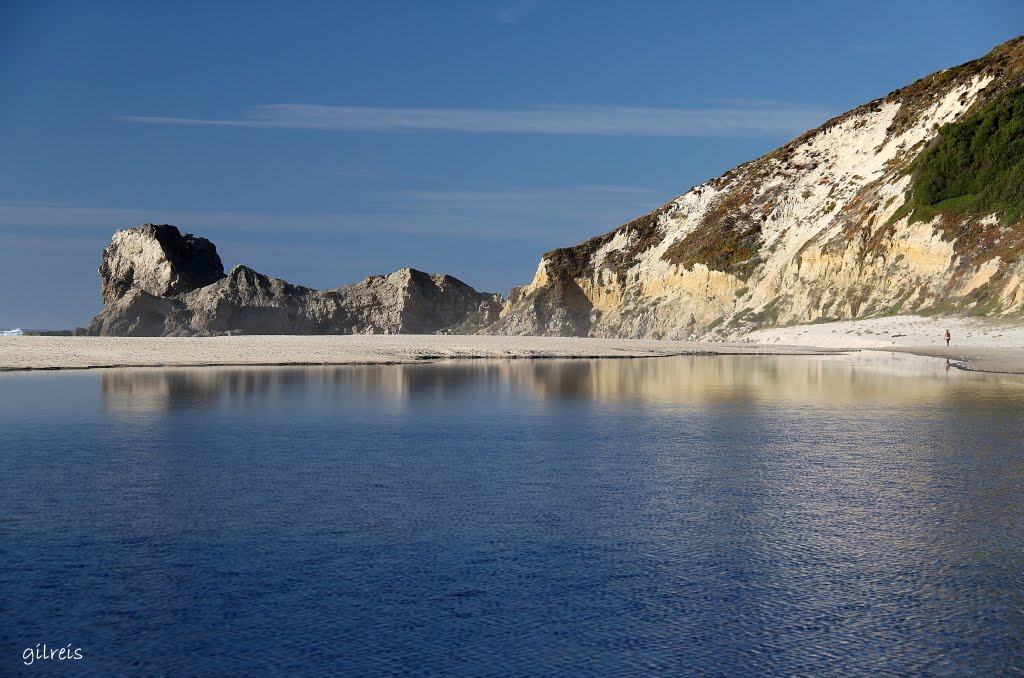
947, 337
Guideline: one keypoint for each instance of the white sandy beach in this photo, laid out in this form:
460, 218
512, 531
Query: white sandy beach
982, 344
33, 353
986, 345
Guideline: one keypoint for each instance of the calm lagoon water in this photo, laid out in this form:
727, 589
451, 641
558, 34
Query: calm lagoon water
836, 515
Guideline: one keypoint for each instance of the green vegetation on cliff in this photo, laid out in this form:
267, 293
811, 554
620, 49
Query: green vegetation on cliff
976, 166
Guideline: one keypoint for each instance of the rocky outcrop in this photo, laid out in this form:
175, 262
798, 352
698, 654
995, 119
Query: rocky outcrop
842, 222
159, 260
138, 313
150, 277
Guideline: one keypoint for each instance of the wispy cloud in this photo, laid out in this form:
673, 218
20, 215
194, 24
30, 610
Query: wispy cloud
719, 121
511, 13
740, 102
522, 196
582, 211
559, 215
868, 47
352, 172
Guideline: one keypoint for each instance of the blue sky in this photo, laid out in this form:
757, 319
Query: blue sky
338, 140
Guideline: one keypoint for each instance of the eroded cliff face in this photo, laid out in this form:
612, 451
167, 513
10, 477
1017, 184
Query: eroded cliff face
156, 281
818, 229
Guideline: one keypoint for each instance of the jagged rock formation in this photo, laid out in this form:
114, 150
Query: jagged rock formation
886, 209
159, 260
156, 281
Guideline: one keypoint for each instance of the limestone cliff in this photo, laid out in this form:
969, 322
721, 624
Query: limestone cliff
156, 281
889, 208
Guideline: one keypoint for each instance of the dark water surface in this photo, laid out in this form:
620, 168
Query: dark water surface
726, 515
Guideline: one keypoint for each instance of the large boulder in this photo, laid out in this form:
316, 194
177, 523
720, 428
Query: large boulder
159, 260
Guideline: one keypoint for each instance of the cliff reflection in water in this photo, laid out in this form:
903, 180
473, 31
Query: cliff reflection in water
879, 378
852, 515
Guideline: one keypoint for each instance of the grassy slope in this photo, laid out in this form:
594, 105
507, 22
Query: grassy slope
977, 165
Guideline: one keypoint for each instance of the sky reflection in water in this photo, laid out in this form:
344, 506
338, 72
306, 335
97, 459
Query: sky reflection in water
846, 514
